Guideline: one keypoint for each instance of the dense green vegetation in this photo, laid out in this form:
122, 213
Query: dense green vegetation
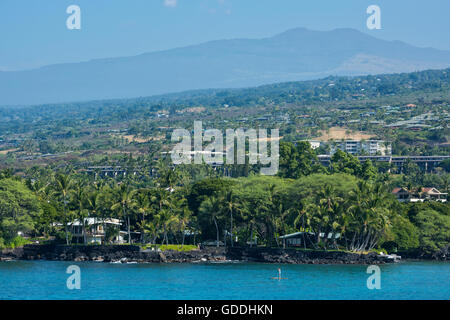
87, 132
348, 198
52, 158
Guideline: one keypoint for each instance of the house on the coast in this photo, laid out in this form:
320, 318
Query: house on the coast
419, 195
97, 230
303, 238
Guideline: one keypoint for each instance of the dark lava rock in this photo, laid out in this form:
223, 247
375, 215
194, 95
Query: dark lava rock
131, 253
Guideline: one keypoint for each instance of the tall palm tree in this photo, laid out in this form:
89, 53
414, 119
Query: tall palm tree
168, 176
101, 201
144, 207
231, 204
370, 210
125, 203
93, 205
280, 213
79, 201
183, 216
63, 185
329, 203
166, 218
161, 198
301, 218
211, 207
153, 227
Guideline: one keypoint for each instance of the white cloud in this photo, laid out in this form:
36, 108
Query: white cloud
170, 3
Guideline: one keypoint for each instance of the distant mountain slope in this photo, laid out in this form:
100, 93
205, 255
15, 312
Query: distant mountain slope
298, 54
424, 87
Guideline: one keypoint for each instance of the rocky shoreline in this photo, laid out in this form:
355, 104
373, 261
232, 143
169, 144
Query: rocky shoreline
134, 254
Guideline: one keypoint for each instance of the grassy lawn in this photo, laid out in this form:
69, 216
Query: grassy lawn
174, 247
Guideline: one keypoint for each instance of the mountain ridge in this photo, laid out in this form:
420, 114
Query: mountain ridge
293, 55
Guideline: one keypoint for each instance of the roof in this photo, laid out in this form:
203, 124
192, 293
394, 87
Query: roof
397, 190
92, 221
431, 191
293, 235
427, 190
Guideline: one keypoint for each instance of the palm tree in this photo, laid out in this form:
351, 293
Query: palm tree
166, 218
161, 198
229, 200
39, 187
369, 209
251, 214
144, 207
183, 216
79, 200
275, 215
63, 185
94, 208
168, 176
100, 201
153, 227
125, 203
302, 218
210, 207
329, 203
280, 214
315, 219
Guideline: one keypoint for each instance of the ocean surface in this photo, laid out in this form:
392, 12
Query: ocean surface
229, 281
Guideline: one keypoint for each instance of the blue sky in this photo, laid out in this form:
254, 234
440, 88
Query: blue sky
33, 33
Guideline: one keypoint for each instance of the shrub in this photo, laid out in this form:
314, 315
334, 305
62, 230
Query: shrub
17, 242
434, 230
174, 247
405, 234
61, 237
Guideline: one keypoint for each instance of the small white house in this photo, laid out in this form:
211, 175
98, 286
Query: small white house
95, 230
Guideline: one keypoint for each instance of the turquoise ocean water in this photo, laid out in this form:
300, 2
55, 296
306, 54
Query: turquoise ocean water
229, 281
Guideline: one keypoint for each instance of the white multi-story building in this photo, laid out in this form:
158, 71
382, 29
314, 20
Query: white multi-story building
356, 147
369, 147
